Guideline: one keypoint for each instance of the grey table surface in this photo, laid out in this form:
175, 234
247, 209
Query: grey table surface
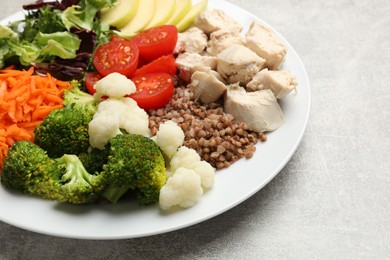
332, 200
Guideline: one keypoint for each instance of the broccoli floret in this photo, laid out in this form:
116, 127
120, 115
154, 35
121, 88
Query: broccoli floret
78, 185
28, 169
64, 131
80, 100
134, 162
94, 159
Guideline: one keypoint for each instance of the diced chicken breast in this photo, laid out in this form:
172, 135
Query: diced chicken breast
188, 62
192, 40
281, 82
210, 71
239, 64
222, 39
213, 20
259, 110
206, 87
263, 41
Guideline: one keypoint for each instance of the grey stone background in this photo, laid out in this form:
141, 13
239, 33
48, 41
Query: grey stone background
332, 200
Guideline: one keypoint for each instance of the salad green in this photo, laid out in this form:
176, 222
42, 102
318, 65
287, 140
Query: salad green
52, 37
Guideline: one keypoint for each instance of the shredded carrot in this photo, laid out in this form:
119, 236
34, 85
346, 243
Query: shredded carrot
25, 100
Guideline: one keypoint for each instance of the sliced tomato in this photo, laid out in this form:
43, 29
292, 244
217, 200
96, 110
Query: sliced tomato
154, 90
142, 62
116, 56
156, 42
90, 79
166, 63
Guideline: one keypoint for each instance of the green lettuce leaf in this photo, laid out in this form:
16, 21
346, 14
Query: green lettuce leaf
43, 47
6, 32
65, 39
83, 15
60, 44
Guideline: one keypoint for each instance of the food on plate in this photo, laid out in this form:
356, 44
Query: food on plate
190, 17
143, 15
182, 189
187, 175
208, 129
238, 64
153, 90
55, 37
164, 100
152, 13
120, 13
164, 10
169, 138
188, 63
223, 39
156, 42
213, 20
90, 79
182, 7
114, 85
80, 100
259, 110
64, 131
30, 170
166, 64
116, 56
188, 178
25, 100
281, 82
191, 40
206, 87
134, 162
263, 41
188, 158
115, 116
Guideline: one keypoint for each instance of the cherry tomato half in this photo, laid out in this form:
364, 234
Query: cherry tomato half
154, 90
156, 42
90, 79
116, 56
166, 63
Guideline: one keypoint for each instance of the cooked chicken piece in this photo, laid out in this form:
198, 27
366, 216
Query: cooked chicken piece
222, 39
188, 62
263, 41
192, 40
281, 82
239, 64
259, 110
210, 71
206, 87
213, 20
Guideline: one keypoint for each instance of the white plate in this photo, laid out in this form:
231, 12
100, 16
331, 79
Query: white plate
232, 186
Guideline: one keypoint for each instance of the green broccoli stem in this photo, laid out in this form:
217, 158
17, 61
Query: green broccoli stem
75, 171
114, 193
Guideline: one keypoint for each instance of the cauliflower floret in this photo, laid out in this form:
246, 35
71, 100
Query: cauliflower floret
101, 129
188, 176
183, 189
184, 157
115, 114
114, 85
134, 119
206, 173
169, 138
188, 158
